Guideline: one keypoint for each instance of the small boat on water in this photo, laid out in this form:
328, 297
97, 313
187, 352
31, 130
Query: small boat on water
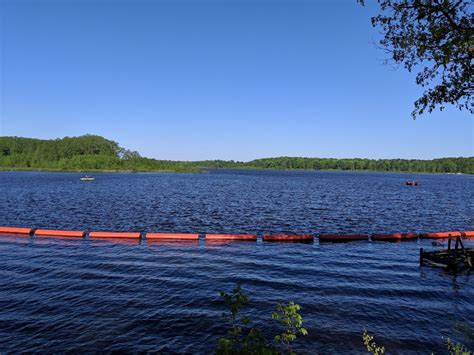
87, 178
412, 183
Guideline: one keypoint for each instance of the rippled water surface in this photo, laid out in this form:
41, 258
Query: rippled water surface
85, 295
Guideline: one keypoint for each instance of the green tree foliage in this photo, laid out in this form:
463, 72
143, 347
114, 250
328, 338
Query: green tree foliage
95, 153
434, 38
371, 345
444, 165
84, 153
463, 331
456, 348
288, 316
453, 348
241, 338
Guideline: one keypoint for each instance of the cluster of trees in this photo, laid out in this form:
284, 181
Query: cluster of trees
95, 153
444, 165
84, 153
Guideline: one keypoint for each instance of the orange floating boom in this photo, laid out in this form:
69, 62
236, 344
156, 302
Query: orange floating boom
342, 237
395, 236
115, 235
59, 233
16, 230
288, 238
410, 235
468, 234
172, 236
438, 235
231, 237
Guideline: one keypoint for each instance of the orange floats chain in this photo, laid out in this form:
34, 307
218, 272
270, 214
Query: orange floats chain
231, 237
152, 236
172, 236
468, 234
395, 236
439, 235
115, 235
342, 237
58, 233
288, 238
15, 231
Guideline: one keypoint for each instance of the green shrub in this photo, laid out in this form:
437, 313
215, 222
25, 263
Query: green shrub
242, 338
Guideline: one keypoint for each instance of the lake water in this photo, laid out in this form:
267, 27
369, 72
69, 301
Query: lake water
85, 295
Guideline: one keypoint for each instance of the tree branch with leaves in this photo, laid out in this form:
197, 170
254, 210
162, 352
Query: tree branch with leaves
435, 39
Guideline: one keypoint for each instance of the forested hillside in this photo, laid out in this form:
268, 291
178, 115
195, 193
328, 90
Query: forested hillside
95, 153
444, 165
84, 153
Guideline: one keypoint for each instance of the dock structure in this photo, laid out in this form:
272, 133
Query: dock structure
457, 259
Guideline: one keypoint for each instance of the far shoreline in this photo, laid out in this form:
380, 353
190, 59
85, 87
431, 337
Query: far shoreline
96, 154
206, 170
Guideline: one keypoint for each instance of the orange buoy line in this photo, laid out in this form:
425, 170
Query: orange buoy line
468, 234
288, 238
59, 233
231, 237
114, 235
395, 236
155, 236
172, 236
342, 237
439, 235
16, 231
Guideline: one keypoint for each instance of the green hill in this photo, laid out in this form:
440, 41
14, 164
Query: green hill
95, 153
84, 153
443, 165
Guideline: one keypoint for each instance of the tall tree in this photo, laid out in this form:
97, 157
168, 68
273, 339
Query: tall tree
434, 38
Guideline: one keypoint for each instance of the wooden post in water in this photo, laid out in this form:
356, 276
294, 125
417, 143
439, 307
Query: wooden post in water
462, 246
456, 249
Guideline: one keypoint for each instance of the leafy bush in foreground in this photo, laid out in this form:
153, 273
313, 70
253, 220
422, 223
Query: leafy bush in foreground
243, 339
453, 348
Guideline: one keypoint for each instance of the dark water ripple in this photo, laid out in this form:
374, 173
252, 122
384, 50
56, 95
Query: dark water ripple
84, 295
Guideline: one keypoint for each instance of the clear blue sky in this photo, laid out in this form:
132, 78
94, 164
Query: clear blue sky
222, 79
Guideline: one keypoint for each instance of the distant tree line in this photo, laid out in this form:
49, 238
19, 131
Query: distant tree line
95, 153
444, 165
84, 153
